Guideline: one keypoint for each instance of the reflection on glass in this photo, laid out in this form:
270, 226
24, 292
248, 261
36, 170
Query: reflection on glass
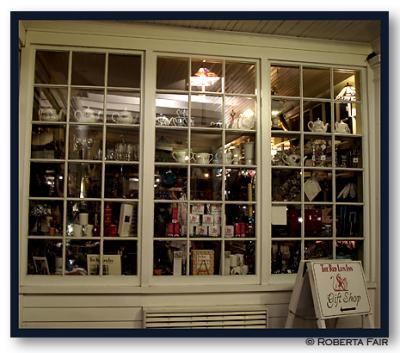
49, 104
317, 117
318, 185
348, 152
348, 118
88, 69
172, 110
285, 80
172, 73
51, 67
286, 185
45, 257
350, 250
286, 221
286, 256
84, 180
124, 70
239, 258
318, 221
205, 146
317, 151
318, 249
170, 183
47, 180
205, 220
83, 219
349, 221
48, 142
285, 150
120, 258
82, 257
346, 78
87, 105
121, 181
85, 142
206, 76
123, 107
205, 257
172, 146
170, 258
285, 115
205, 183
45, 218
170, 220
240, 78
316, 82
240, 113
120, 219
122, 144
240, 221
349, 186
206, 111
239, 149
240, 184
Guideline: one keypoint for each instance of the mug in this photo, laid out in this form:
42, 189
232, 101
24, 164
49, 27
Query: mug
77, 230
236, 155
181, 156
203, 158
89, 230
228, 157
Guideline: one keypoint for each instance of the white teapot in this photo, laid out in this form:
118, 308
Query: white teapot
86, 115
317, 126
50, 114
342, 128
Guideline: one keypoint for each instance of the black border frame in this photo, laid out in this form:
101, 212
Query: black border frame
382, 16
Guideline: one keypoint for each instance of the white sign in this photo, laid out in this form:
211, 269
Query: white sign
340, 288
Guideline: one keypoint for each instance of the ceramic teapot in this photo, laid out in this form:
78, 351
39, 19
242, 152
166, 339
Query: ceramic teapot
49, 114
342, 127
124, 117
86, 115
162, 120
317, 126
178, 121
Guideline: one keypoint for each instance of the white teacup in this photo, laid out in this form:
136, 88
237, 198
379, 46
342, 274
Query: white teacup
181, 156
203, 158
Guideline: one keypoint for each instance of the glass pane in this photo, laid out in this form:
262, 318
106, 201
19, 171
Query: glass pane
349, 186
239, 149
316, 83
349, 221
318, 185
123, 107
170, 258
318, 221
285, 80
240, 184
240, 221
47, 180
84, 180
206, 76
87, 105
206, 111
170, 183
51, 67
240, 113
286, 256
121, 181
285, 115
88, 69
172, 146
45, 218
317, 117
346, 85
205, 257
205, 220
83, 219
85, 142
286, 221
348, 152
205, 145
170, 220
350, 250
82, 257
348, 118
50, 104
317, 151
124, 70
317, 249
172, 110
120, 258
240, 78
45, 257
286, 185
48, 142
285, 150
122, 144
205, 183
240, 258
173, 73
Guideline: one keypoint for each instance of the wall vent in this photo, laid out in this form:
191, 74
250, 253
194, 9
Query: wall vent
206, 317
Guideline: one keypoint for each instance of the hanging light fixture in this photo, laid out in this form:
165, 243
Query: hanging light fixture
204, 77
348, 93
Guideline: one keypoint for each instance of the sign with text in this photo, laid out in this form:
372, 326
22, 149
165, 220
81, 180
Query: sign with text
340, 288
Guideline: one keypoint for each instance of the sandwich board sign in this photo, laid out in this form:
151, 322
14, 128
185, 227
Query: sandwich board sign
335, 288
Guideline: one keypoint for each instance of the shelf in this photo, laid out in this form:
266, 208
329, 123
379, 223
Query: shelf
109, 162
118, 238
41, 122
47, 160
46, 236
